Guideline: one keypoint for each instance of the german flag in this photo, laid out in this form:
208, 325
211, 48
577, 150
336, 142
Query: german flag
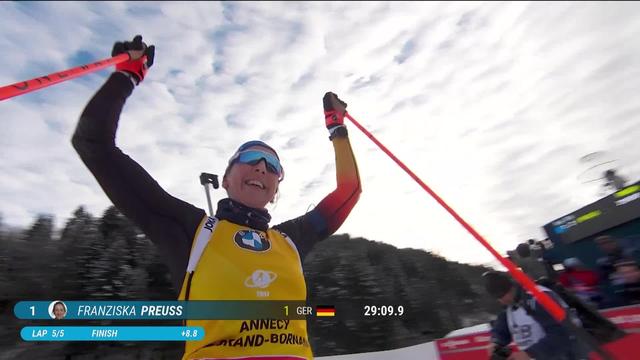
325, 310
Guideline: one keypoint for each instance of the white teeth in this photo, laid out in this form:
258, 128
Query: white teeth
255, 183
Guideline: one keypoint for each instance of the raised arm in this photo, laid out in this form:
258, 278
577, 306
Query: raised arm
333, 210
336, 206
169, 222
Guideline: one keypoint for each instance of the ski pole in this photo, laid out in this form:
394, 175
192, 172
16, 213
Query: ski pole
556, 311
41, 82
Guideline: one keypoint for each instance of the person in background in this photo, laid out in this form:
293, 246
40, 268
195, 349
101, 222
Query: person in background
583, 282
614, 252
529, 262
536, 248
525, 322
626, 281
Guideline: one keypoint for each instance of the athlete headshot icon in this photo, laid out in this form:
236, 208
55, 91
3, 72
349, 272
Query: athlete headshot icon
57, 310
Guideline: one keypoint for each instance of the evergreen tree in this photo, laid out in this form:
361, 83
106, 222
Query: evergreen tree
41, 231
29, 261
78, 238
125, 264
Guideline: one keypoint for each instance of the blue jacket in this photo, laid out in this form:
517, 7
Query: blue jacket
557, 342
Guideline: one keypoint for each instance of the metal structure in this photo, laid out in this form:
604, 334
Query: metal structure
207, 179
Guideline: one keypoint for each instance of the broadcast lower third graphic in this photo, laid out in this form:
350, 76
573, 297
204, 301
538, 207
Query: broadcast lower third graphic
325, 310
112, 333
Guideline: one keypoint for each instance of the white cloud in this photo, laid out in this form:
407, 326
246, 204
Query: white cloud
492, 104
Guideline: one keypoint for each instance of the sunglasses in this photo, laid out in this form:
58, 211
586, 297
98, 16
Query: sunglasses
252, 157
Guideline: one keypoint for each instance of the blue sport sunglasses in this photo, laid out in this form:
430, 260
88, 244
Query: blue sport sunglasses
252, 157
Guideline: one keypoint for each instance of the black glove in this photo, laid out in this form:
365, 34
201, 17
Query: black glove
500, 352
136, 67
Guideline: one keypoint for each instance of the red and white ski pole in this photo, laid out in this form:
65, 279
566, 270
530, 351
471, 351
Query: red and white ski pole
556, 311
552, 307
42, 82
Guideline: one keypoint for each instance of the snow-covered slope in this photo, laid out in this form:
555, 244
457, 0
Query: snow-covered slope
425, 351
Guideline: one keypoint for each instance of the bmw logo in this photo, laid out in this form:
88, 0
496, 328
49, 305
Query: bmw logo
252, 240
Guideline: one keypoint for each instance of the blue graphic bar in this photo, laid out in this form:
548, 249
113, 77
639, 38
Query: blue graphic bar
160, 310
112, 333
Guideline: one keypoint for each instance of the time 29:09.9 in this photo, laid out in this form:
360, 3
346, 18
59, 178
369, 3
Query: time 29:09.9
383, 310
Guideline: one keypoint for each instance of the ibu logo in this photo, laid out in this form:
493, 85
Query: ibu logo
260, 279
252, 240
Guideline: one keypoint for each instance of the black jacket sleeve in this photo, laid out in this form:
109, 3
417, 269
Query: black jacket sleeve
169, 222
305, 231
500, 333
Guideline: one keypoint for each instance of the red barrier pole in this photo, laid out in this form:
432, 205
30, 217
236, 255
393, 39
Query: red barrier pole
28, 86
545, 300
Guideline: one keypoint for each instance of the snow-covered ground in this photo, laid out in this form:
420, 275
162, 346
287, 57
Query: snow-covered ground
425, 351
470, 330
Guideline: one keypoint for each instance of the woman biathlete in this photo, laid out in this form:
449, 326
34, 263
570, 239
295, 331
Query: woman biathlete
236, 254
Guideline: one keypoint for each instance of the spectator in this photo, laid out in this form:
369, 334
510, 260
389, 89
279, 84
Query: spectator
614, 253
626, 281
528, 324
581, 281
536, 248
531, 264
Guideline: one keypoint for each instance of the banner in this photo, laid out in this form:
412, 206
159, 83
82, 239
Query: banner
474, 346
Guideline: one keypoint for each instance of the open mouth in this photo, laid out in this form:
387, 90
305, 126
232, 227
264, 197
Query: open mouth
255, 183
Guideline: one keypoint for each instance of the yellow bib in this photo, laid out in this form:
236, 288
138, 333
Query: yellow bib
234, 262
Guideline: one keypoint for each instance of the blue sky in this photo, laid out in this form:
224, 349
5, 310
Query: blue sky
491, 104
